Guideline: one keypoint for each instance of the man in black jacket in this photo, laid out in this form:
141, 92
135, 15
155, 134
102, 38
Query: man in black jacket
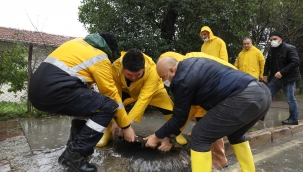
234, 101
282, 71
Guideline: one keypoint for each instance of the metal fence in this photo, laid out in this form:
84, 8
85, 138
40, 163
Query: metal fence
16, 103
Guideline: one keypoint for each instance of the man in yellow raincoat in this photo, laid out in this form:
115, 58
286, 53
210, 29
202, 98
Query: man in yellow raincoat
213, 45
218, 152
216, 47
251, 60
137, 81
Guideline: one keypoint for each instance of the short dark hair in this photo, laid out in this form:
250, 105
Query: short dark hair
111, 40
133, 60
247, 38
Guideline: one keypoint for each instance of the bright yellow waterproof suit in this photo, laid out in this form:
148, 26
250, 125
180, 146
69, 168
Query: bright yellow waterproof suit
215, 46
148, 90
251, 61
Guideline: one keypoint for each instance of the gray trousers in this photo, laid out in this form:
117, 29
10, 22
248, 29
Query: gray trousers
232, 117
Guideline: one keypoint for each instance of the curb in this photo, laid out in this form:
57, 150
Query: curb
268, 135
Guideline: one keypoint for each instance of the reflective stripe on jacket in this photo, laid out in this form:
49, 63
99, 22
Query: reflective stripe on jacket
84, 64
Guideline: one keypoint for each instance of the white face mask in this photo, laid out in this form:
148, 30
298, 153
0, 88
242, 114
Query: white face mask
274, 43
167, 82
205, 40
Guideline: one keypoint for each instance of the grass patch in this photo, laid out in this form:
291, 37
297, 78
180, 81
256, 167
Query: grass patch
253, 129
11, 110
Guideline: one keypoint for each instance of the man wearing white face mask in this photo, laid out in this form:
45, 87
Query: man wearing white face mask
282, 71
219, 160
213, 45
216, 47
234, 101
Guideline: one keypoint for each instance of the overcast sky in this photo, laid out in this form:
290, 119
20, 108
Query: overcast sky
58, 17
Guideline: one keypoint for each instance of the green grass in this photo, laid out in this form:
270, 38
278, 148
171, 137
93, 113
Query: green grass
10, 110
253, 129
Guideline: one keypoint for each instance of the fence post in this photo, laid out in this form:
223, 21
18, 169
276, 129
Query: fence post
29, 73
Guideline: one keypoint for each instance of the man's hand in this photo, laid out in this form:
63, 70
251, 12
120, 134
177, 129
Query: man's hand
278, 75
165, 145
129, 134
115, 127
264, 78
152, 141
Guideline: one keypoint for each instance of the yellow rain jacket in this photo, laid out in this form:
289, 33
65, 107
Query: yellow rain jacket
201, 55
251, 61
148, 90
215, 46
90, 65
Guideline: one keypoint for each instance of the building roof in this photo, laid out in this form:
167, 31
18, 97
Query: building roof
40, 38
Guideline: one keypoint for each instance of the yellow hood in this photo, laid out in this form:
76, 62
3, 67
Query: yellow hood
203, 55
206, 28
177, 56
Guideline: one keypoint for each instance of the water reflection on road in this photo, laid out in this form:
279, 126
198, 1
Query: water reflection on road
46, 133
51, 134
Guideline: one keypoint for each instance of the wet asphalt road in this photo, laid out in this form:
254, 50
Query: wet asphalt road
284, 155
44, 141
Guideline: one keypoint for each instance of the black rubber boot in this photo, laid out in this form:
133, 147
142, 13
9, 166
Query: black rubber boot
74, 160
85, 142
75, 129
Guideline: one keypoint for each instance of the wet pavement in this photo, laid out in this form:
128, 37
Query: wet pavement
277, 113
283, 155
35, 144
9, 129
46, 133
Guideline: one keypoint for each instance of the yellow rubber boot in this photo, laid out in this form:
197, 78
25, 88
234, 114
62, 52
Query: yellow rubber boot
107, 136
180, 138
201, 161
244, 156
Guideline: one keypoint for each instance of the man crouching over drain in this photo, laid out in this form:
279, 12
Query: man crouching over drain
59, 85
234, 101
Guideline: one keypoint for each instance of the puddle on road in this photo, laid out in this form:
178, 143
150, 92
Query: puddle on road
46, 133
53, 132
50, 136
47, 137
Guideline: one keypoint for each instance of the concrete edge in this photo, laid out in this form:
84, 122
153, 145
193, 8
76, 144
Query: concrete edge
268, 135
